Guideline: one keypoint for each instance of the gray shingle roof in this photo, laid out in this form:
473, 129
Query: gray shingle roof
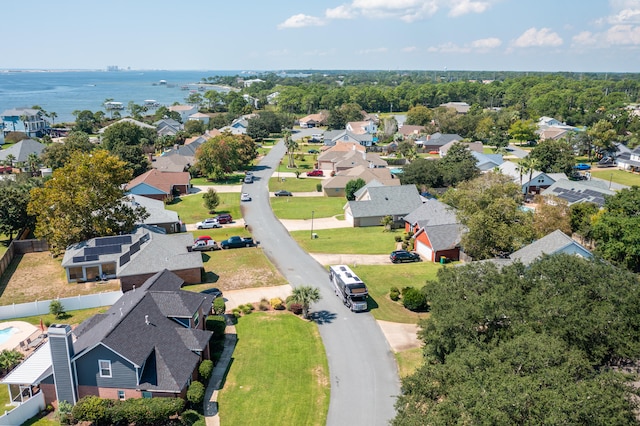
386, 200
21, 150
444, 237
163, 346
552, 243
579, 191
431, 213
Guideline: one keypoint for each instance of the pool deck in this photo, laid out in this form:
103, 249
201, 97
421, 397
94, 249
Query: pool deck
25, 331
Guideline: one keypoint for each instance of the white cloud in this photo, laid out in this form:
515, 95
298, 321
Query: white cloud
340, 12
449, 48
463, 7
624, 12
535, 37
585, 38
486, 43
301, 20
623, 35
409, 49
373, 51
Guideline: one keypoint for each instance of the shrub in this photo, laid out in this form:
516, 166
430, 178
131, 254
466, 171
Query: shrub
56, 309
408, 236
145, 411
296, 308
64, 412
217, 324
92, 409
219, 306
195, 393
404, 290
319, 187
246, 308
205, 369
414, 300
288, 300
398, 238
264, 305
394, 294
190, 417
276, 303
236, 312
405, 245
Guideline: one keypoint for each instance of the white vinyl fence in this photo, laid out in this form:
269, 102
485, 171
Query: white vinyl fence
41, 307
24, 411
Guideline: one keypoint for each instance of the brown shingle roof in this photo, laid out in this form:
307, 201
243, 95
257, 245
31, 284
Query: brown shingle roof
164, 181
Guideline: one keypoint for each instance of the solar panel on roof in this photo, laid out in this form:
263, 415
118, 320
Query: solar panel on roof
125, 258
111, 249
109, 241
91, 258
77, 259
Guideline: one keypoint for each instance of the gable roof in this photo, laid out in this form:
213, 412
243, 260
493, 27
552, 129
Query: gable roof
555, 242
579, 191
374, 201
128, 120
471, 146
438, 139
410, 130
166, 349
318, 118
432, 212
460, 107
486, 162
156, 209
443, 237
368, 174
21, 150
164, 181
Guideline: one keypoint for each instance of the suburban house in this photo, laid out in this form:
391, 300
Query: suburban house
21, 151
133, 258
160, 185
198, 116
184, 110
471, 146
460, 107
553, 243
362, 127
128, 120
33, 121
579, 191
345, 156
238, 126
248, 83
335, 186
375, 201
437, 140
149, 344
312, 120
168, 127
332, 137
436, 230
159, 216
411, 131
531, 183
487, 162
629, 160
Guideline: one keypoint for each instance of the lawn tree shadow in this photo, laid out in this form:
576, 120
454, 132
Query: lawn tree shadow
210, 277
322, 317
371, 303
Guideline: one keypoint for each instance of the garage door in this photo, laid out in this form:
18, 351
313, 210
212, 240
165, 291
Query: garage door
424, 250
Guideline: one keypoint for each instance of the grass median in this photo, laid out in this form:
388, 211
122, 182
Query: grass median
301, 184
301, 207
621, 177
191, 209
368, 240
279, 373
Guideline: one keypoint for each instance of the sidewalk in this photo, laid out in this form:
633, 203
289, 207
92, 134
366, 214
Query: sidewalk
218, 375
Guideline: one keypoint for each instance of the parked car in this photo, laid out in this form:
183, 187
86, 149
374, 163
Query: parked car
313, 151
316, 172
205, 245
607, 162
224, 218
582, 166
248, 179
202, 238
399, 256
282, 193
236, 242
245, 197
209, 224
215, 291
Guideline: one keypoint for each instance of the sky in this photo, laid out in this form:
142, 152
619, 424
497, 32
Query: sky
259, 35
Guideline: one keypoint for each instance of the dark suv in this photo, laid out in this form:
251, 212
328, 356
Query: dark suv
399, 256
224, 218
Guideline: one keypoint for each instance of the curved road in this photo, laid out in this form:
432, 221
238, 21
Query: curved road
363, 370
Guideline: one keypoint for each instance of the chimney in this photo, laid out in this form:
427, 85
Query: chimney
146, 319
428, 137
61, 346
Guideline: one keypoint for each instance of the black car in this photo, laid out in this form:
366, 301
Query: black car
399, 256
282, 193
214, 291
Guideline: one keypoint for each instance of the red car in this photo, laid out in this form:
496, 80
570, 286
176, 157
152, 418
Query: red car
224, 218
202, 238
315, 173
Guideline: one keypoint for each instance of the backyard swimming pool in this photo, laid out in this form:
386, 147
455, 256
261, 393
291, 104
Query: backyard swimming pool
6, 333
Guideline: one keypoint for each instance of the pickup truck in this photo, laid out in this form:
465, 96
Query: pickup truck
236, 242
205, 245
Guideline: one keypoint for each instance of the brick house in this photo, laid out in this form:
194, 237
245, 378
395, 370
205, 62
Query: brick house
160, 185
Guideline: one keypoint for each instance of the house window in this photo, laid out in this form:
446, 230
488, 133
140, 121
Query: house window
105, 367
121, 395
109, 268
146, 394
76, 273
196, 319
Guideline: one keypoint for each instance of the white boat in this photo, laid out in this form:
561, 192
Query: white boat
163, 81
113, 105
151, 103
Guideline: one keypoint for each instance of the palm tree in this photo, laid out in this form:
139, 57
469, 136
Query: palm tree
10, 159
292, 146
25, 123
53, 116
305, 295
33, 162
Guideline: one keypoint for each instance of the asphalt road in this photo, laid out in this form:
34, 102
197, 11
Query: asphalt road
363, 370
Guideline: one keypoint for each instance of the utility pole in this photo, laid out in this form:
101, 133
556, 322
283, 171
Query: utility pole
312, 213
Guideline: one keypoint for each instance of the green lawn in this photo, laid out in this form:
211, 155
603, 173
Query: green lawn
235, 179
191, 208
380, 278
4, 244
71, 317
621, 177
369, 240
279, 373
409, 361
301, 184
303, 165
301, 207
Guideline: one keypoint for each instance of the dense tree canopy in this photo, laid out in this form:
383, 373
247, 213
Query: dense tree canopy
14, 198
616, 229
83, 200
553, 156
224, 154
56, 155
489, 206
130, 142
526, 345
